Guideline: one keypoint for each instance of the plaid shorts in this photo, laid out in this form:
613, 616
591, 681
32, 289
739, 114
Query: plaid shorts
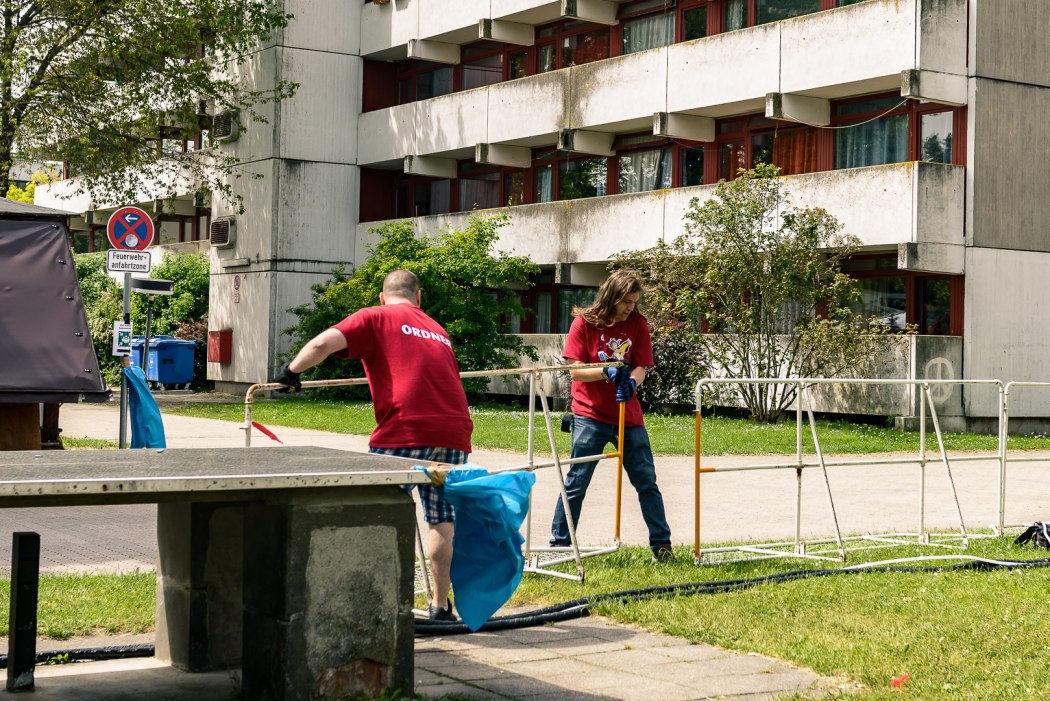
435, 508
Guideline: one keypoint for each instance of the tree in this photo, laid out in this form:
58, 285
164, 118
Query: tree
463, 279
758, 285
28, 193
114, 88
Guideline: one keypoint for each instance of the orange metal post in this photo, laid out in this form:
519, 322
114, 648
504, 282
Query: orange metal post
619, 469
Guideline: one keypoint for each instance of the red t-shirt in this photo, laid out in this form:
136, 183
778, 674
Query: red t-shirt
628, 340
414, 377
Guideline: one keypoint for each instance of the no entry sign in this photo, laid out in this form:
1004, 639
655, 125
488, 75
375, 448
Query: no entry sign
130, 229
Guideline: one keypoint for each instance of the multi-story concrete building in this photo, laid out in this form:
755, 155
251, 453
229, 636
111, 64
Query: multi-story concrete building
919, 124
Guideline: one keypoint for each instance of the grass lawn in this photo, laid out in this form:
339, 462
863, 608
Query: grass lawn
506, 429
959, 634
74, 606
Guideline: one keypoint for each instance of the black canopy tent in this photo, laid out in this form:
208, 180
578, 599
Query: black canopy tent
46, 354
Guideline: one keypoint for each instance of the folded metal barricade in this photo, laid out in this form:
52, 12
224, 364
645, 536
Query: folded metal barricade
819, 548
540, 560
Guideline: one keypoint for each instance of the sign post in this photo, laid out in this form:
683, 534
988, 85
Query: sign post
128, 229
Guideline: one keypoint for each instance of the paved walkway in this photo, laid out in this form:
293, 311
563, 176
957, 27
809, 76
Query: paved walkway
590, 658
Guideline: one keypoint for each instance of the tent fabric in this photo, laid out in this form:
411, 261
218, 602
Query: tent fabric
46, 353
487, 561
147, 428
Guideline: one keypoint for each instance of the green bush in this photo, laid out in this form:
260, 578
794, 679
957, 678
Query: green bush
182, 314
461, 276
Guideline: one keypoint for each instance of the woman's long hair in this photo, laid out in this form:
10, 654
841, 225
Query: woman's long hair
602, 311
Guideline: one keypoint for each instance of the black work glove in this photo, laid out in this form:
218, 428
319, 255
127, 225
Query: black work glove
289, 379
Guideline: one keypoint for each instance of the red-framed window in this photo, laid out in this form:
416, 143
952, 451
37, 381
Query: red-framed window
560, 175
933, 303
889, 129
570, 42
550, 304
650, 24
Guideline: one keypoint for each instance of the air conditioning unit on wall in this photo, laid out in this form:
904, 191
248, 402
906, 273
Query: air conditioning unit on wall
225, 127
223, 232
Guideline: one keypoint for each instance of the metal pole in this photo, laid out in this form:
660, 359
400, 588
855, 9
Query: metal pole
25, 582
924, 537
145, 339
696, 491
798, 469
532, 413
1004, 436
947, 466
123, 380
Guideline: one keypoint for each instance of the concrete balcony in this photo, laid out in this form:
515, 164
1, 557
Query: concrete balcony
387, 29
915, 207
849, 51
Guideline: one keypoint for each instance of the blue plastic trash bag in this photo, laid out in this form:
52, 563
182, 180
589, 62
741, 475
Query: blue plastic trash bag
147, 429
487, 561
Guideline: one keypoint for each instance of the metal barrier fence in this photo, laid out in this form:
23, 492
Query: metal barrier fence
1004, 432
803, 403
538, 560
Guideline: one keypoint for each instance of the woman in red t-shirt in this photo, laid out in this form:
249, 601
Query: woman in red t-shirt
611, 329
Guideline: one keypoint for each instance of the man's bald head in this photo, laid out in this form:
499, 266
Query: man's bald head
401, 284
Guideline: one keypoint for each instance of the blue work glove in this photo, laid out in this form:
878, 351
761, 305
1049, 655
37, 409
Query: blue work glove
626, 387
611, 373
289, 379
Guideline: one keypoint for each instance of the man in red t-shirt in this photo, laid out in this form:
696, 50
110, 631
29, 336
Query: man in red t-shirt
420, 407
611, 329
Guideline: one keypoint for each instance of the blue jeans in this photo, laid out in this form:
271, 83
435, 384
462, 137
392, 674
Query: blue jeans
589, 437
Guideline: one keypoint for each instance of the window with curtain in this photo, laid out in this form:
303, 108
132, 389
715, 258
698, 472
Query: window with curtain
793, 150
884, 140
731, 158
581, 178
569, 299
935, 137
544, 183
641, 171
482, 71
884, 298
647, 33
541, 305
430, 198
734, 15
546, 58
479, 191
773, 10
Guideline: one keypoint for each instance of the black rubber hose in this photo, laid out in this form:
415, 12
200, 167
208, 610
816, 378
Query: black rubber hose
89, 653
578, 608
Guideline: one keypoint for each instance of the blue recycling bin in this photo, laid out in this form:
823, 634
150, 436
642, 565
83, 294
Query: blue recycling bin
169, 362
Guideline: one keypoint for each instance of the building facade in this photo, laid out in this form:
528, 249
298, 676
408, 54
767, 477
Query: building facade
917, 123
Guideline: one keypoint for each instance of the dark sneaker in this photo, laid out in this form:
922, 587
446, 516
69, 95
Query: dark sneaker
444, 614
663, 553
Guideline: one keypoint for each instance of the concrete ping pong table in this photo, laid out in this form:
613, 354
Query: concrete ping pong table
295, 564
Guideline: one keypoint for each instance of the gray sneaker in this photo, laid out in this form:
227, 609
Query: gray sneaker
442, 614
